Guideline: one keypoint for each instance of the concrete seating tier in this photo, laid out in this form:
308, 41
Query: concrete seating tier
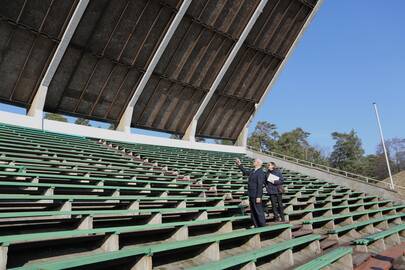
70, 202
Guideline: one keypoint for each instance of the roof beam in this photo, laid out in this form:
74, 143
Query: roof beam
191, 130
37, 106
289, 53
126, 118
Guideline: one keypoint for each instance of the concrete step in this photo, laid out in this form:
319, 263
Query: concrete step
359, 258
373, 264
325, 244
301, 232
385, 259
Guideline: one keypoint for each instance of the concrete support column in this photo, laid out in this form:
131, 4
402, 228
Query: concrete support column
243, 137
191, 130
155, 219
345, 263
254, 242
144, 263
111, 243
38, 103
249, 266
125, 121
285, 259
86, 223
180, 234
379, 245
211, 253
203, 215
3, 257
227, 227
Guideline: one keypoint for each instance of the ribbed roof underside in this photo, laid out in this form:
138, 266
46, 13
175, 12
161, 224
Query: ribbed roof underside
115, 42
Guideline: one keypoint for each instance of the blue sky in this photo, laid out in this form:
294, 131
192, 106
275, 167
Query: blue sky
353, 53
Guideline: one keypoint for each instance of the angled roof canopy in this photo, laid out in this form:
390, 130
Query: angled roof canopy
112, 48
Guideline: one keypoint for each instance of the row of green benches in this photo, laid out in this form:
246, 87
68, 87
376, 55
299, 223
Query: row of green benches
7, 240
142, 256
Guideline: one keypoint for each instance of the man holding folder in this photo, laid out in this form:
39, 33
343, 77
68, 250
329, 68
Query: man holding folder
274, 187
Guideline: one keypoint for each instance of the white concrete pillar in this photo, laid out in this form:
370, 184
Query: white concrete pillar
191, 130
3, 257
125, 121
86, 223
111, 243
243, 137
144, 263
38, 103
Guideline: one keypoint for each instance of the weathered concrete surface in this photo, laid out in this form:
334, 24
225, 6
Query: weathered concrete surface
332, 178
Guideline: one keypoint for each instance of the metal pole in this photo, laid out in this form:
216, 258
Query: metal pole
383, 144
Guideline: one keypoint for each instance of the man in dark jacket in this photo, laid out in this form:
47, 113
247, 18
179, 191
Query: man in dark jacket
256, 180
275, 190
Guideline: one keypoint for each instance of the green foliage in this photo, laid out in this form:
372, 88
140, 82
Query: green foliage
264, 136
224, 142
175, 136
294, 143
373, 166
199, 139
178, 137
396, 152
83, 122
347, 152
55, 117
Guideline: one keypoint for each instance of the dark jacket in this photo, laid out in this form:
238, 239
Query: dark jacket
274, 188
255, 181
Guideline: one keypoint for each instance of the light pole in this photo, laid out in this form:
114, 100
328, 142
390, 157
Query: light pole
383, 144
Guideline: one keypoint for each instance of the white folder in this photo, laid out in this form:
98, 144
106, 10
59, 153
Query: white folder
272, 178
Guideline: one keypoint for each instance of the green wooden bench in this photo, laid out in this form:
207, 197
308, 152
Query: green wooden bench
341, 216
103, 187
157, 248
365, 223
365, 241
95, 213
312, 210
30, 237
338, 254
252, 256
102, 172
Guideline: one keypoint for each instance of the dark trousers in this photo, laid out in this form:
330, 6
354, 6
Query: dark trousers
277, 205
257, 213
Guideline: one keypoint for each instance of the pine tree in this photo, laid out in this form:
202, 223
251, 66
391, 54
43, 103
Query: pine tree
83, 122
55, 117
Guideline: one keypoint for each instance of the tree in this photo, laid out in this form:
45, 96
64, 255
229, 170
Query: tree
83, 122
347, 152
178, 137
55, 117
175, 136
264, 136
295, 143
370, 165
396, 152
199, 139
224, 142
